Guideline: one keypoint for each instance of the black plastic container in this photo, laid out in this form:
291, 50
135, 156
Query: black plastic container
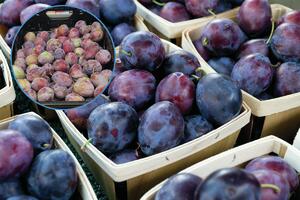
51, 18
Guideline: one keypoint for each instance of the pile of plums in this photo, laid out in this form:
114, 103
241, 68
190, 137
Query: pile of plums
265, 68
155, 100
64, 64
183, 10
31, 168
117, 14
264, 178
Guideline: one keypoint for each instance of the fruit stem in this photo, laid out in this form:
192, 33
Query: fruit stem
272, 32
276, 65
212, 12
197, 78
158, 3
205, 41
82, 148
201, 71
271, 186
126, 53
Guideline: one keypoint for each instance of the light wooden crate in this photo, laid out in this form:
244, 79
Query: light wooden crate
131, 180
84, 189
239, 156
294, 4
279, 116
7, 94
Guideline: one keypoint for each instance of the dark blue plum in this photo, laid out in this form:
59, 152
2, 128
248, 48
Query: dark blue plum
10, 188
35, 129
11, 34
143, 50
253, 74
178, 89
120, 31
53, 175
174, 12
287, 79
28, 12
195, 127
291, 17
178, 187
254, 46
180, 61
125, 156
277, 164
255, 17
134, 87
266, 176
22, 197
161, 128
285, 43
88, 5
112, 126
201, 8
229, 183
222, 37
79, 115
116, 12
218, 98
222, 65
16, 154
10, 11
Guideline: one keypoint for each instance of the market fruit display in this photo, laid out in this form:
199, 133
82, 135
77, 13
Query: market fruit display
260, 55
263, 178
184, 10
118, 15
153, 93
64, 61
27, 172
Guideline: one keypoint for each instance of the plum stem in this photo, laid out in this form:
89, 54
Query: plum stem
200, 70
158, 3
205, 41
272, 32
276, 65
46, 145
126, 53
271, 186
211, 12
197, 78
82, 148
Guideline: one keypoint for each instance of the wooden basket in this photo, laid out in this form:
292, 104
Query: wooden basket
84, 188
238, 157
278, 116
131, 180
7, 94
295, 4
